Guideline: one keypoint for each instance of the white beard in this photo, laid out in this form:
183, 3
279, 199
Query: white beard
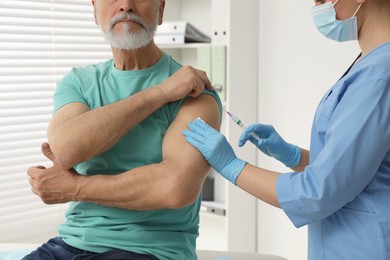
127, 39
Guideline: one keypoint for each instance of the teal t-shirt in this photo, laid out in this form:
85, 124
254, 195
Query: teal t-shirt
167, 233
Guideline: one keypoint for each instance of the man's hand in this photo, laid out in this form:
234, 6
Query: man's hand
187, 81
53, 185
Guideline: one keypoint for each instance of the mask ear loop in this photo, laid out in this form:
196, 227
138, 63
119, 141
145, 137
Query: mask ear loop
357, 10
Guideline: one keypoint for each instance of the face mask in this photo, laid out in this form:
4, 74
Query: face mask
324, 17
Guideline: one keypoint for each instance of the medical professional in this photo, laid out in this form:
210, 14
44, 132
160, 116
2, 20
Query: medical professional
341, 187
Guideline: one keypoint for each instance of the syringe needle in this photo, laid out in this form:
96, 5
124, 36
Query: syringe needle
241, 124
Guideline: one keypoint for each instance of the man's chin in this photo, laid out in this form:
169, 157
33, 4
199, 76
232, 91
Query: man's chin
126, 27
129, 45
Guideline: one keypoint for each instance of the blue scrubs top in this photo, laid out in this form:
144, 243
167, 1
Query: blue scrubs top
343, 195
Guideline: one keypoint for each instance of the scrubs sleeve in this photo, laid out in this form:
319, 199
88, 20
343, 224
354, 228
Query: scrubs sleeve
356, 141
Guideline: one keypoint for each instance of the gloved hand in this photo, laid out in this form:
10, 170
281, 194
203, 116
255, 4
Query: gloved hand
272, 144
215, 148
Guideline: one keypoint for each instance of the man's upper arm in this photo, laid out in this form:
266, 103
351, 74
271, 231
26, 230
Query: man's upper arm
68, 102
186, 161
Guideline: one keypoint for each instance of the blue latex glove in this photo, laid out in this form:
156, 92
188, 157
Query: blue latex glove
215, 148
272, 144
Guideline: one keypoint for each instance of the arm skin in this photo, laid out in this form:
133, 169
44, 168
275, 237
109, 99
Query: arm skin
173, 183
305, 160
77, 133
261, 183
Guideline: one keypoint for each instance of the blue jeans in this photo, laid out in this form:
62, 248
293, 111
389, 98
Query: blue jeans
57, 249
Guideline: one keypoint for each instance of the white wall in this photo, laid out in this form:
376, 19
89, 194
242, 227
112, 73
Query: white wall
296, 66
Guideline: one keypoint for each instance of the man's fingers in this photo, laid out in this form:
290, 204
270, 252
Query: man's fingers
46, 150
35, 170
206, 81
198, 84
202, 82
209, 86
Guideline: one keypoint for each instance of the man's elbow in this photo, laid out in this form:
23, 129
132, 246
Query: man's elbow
181, 203
65, 155
65, 161
181, 198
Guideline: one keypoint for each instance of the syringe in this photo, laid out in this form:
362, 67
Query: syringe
241, 124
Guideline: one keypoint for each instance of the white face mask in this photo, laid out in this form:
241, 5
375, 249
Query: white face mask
324, 17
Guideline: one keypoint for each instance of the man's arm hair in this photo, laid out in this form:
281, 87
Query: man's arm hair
77, 133
175, 182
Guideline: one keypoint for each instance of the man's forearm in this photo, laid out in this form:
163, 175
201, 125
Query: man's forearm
91, 133
149, 187
174, 182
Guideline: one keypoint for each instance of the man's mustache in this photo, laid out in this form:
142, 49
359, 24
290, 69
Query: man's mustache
127, 17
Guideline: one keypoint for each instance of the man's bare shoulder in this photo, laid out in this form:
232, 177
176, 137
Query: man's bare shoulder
206, 106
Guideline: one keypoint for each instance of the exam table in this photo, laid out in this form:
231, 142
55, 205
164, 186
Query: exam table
10, 251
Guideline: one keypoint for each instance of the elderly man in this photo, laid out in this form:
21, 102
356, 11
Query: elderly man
118, 154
